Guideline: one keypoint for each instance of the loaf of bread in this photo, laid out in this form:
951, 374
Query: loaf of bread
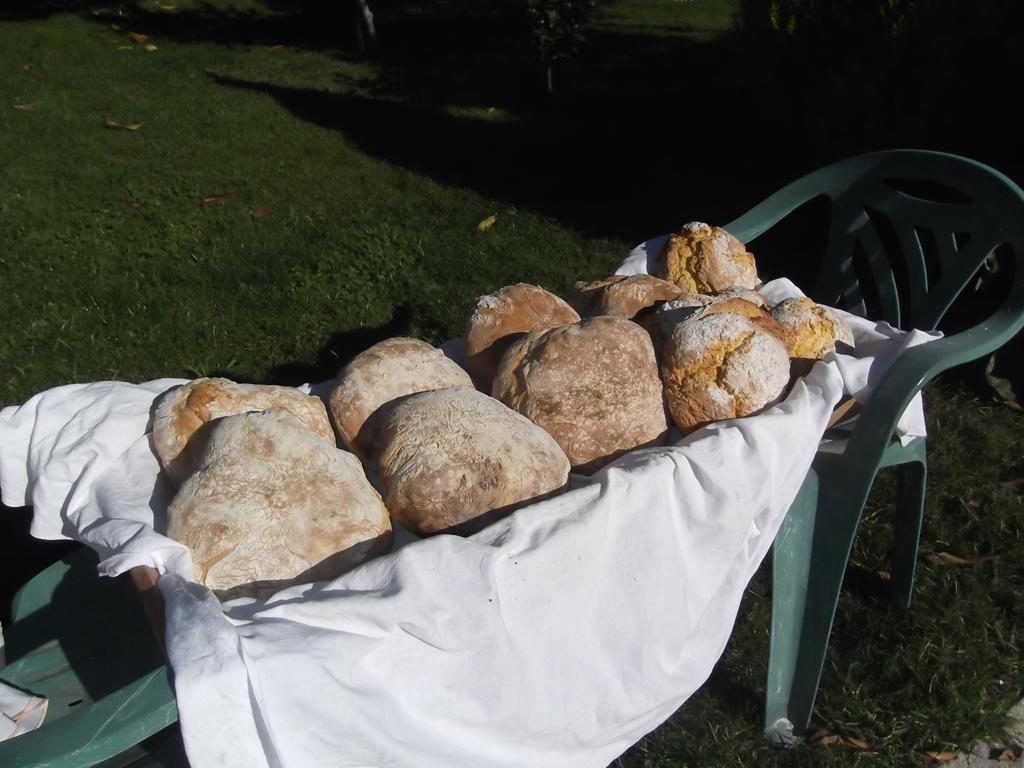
625, 296
499, 318
455, 460
273, 504
722, 366
810, 330
183, 412
392, 368
704, 259
593, 386
690, 305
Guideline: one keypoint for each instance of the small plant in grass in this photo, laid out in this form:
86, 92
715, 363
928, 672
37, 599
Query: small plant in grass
555, 32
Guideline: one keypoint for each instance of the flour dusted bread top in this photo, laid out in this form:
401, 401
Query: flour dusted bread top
809, 329
272, 504
692, 305
455, 460
392, 368
705, 259
593, 386
499, 318
722, 366
624, 296
184, 411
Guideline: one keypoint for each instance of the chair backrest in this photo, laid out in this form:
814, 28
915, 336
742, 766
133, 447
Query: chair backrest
909, 230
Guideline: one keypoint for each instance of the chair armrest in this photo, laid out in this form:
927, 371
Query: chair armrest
912, 371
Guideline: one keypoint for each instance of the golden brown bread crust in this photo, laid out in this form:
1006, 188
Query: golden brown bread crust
184, 411
387, 370
692, 305
455, 460
498, 318
705, 259
593, 386
809, 330
722, 366
272, 505
626, 296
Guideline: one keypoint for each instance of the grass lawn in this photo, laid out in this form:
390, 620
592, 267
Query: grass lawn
191, 187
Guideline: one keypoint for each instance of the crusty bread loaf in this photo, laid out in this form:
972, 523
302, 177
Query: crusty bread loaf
499, 318
810, 330
273, 504
455, 460
392, 368
690, 305
722, 366
705, 259
593, 386
182, 413
624, 297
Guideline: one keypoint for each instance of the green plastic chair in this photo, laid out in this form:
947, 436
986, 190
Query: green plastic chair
909, 232
84, 642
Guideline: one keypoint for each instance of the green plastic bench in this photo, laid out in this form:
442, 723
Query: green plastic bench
83, 641
909, 232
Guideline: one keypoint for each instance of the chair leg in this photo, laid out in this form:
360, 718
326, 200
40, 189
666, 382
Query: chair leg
910, 488
791, 558
809, 559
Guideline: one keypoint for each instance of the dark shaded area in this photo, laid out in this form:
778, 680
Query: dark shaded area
21, 555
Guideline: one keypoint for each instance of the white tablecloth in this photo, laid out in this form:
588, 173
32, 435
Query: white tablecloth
556, 637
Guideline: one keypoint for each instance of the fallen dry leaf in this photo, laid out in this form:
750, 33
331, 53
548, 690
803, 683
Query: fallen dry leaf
218, 199
167, 6
1005, 754
24, 106
109, 123
946, 558
26, 67
126, 47
487, 223
115, 26
150, 47
138, 37
825, 739
261, 212
937, 757
279, 47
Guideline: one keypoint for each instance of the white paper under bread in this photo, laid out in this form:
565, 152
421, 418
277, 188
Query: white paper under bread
557, 637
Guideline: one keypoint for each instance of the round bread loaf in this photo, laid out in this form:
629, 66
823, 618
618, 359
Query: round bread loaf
585, 293
810, 330
690, 305
628, 296
705, 259
273, 504
593, 386
392, 368
456, 460
501, 317
182, 413
722, 366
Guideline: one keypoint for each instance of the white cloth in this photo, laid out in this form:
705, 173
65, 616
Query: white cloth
20, 712
558, 636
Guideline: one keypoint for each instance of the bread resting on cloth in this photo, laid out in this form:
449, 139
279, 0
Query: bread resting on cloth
498, 318
392, 368
705, 259
273, 504
183, 412
809, 329
455, 460
722, 366
593, 386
